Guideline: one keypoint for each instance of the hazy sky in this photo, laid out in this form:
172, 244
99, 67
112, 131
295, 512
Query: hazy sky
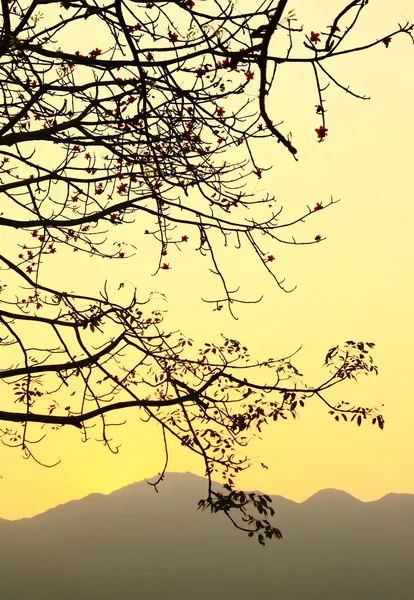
358, 284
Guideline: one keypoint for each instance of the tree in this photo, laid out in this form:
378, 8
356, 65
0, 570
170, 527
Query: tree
156, 115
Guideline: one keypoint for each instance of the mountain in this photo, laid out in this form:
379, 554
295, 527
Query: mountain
136, 543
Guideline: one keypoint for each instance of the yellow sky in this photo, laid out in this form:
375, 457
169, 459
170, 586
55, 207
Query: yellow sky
356, 285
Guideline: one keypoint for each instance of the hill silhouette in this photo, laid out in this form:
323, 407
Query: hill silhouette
135, 543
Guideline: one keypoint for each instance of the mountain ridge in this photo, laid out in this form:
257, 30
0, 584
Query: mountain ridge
325, 494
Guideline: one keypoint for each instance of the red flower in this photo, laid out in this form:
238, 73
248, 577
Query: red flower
315, 37
164, 252
270, 258
173, 37
113, 217
189, 4
165, 266
184, 238
87, 155
249, 75
322, 132
318, 206
319, 109
122, 188
76, 148
150, 56
149, 5
386, 41
318, 238
95, 53
220, 111
336, 28
258, 173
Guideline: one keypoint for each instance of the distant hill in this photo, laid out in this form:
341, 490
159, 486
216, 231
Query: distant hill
137, 544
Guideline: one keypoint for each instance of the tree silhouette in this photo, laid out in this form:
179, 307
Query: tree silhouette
155, 113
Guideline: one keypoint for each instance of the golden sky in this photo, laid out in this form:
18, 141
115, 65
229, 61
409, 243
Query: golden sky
358, 284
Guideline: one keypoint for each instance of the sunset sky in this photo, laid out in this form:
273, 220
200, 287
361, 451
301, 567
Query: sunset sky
358, 284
